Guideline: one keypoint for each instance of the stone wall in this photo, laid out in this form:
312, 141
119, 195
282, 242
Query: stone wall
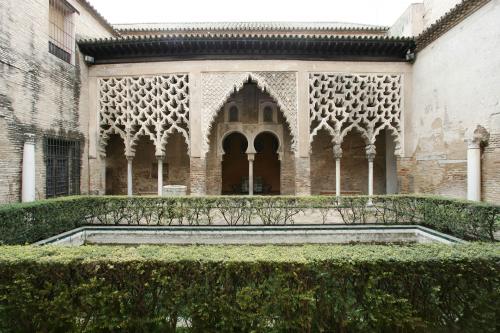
39, 93
455, 88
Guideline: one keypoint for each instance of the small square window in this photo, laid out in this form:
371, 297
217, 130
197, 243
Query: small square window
233, 114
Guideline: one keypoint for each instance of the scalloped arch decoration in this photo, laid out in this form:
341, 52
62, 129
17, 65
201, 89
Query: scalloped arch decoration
153, 106
217, 87
367, 103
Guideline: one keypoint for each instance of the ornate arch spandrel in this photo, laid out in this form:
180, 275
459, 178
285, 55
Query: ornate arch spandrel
368, 103
217, 87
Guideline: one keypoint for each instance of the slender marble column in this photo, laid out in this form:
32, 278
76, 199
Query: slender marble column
102, 158
337, 154
28, 171
251, 158
129, 175
474, 171
370, 154
160, 175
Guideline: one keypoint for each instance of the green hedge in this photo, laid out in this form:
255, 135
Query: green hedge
27, 223
357, 288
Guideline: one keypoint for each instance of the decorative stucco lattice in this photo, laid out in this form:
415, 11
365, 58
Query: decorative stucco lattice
367, 103
218, 87
154, 106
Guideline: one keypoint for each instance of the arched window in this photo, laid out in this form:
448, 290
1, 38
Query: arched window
268, 114
234, 114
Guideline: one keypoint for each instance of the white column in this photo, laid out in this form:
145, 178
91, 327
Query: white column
370, 154
102, 189
370, 177
129, 175
337, 177
474, 171
28, 171
160, 175
337, 154
251, 158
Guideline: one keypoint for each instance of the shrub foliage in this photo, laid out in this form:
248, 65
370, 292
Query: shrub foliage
27, 223
311, 288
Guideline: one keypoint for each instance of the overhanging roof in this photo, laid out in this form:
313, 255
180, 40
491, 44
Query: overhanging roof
243, 46
225, 27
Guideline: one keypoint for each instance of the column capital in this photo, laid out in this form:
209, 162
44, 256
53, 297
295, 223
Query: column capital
337, 151
474, 138
29, 138
160, 157
370, 152
251, 156
130, 157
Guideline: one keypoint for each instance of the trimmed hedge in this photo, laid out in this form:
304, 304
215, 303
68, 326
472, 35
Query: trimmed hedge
28, 223
311, 288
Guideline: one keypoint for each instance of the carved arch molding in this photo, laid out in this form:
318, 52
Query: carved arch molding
217, 87
153, 106
367, 103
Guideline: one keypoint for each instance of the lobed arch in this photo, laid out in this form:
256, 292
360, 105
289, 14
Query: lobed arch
367, 103
217, 88
250, 136
136, 106
278, 137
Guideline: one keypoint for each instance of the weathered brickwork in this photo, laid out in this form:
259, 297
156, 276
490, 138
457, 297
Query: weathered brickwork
353, 168
455, 90
490, 166
176, 166
39, 93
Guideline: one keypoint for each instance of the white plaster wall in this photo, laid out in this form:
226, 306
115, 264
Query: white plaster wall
456, 86
434, 9
410, 23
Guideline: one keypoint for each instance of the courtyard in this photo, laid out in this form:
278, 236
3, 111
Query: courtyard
245, 170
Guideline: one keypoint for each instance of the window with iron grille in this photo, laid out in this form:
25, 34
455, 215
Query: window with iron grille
63, 167
61, 29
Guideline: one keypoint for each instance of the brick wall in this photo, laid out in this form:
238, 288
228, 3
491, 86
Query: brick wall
176, 166
354, 165
490, 167
39, 93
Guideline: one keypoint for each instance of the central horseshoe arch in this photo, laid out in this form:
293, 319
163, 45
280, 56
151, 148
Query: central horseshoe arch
217, 87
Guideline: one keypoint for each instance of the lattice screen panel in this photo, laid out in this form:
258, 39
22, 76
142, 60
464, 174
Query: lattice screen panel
154, 106
367, 103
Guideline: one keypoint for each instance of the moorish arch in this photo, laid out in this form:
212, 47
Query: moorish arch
148, 113
217, 88
369, 104
136, 106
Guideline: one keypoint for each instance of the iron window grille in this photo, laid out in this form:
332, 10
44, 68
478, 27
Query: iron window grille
62, 167
61, 30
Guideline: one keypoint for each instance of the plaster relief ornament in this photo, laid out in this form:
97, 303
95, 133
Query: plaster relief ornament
154, 106
366, 103
217, 88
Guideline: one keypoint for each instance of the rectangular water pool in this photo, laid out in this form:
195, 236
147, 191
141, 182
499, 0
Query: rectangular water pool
291, 234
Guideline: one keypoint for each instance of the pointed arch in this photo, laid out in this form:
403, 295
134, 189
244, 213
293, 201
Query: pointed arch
217, 88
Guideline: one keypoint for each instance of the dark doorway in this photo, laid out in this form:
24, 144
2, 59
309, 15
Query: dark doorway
235, 164
267, 164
